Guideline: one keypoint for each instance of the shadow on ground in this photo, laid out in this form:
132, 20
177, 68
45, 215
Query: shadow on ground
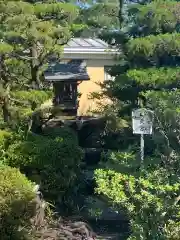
110, 230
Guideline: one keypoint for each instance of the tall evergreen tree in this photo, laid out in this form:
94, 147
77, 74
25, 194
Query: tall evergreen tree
147, 75
102, 16
31, 32
99, 16
149, 58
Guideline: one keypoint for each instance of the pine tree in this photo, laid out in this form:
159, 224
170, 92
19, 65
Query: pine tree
99, 16
103, 17
147, 75
149, 58
32, 34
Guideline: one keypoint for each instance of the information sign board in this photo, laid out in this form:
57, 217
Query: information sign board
142, 121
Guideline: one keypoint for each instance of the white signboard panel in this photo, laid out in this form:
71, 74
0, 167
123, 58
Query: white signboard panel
142, 121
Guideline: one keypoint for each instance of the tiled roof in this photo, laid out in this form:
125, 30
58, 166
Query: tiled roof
87, 43
82, 46
75, 70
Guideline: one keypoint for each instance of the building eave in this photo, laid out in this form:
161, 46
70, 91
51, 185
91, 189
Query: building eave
76, 78
90, 51
62, 72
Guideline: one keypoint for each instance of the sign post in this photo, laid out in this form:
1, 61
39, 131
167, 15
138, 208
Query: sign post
142, 149
142, 122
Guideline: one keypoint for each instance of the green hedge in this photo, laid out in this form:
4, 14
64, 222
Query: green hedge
148, 197
16, 205
52, 161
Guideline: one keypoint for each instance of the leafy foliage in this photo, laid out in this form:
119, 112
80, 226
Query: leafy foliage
146, 75
32, 97
48, 161
149, 198
32, 34
155, 18
5, 140
166, 128
172, 230
65, 133
153, 50
155, 77
147, 62
16, 205
100, 16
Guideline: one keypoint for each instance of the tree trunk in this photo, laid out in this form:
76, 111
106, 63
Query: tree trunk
35, 77
5, 109
121, 4
35, 80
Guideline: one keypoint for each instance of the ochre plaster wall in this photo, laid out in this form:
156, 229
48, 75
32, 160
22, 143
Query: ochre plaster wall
95, 69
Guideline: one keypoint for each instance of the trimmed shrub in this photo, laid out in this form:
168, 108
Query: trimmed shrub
148, 197
16, 205
52, 162
65, 133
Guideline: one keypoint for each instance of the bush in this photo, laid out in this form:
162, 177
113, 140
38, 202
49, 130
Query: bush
52, 162
67, 134
149, 196
172, 230
16, 205
6, 138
